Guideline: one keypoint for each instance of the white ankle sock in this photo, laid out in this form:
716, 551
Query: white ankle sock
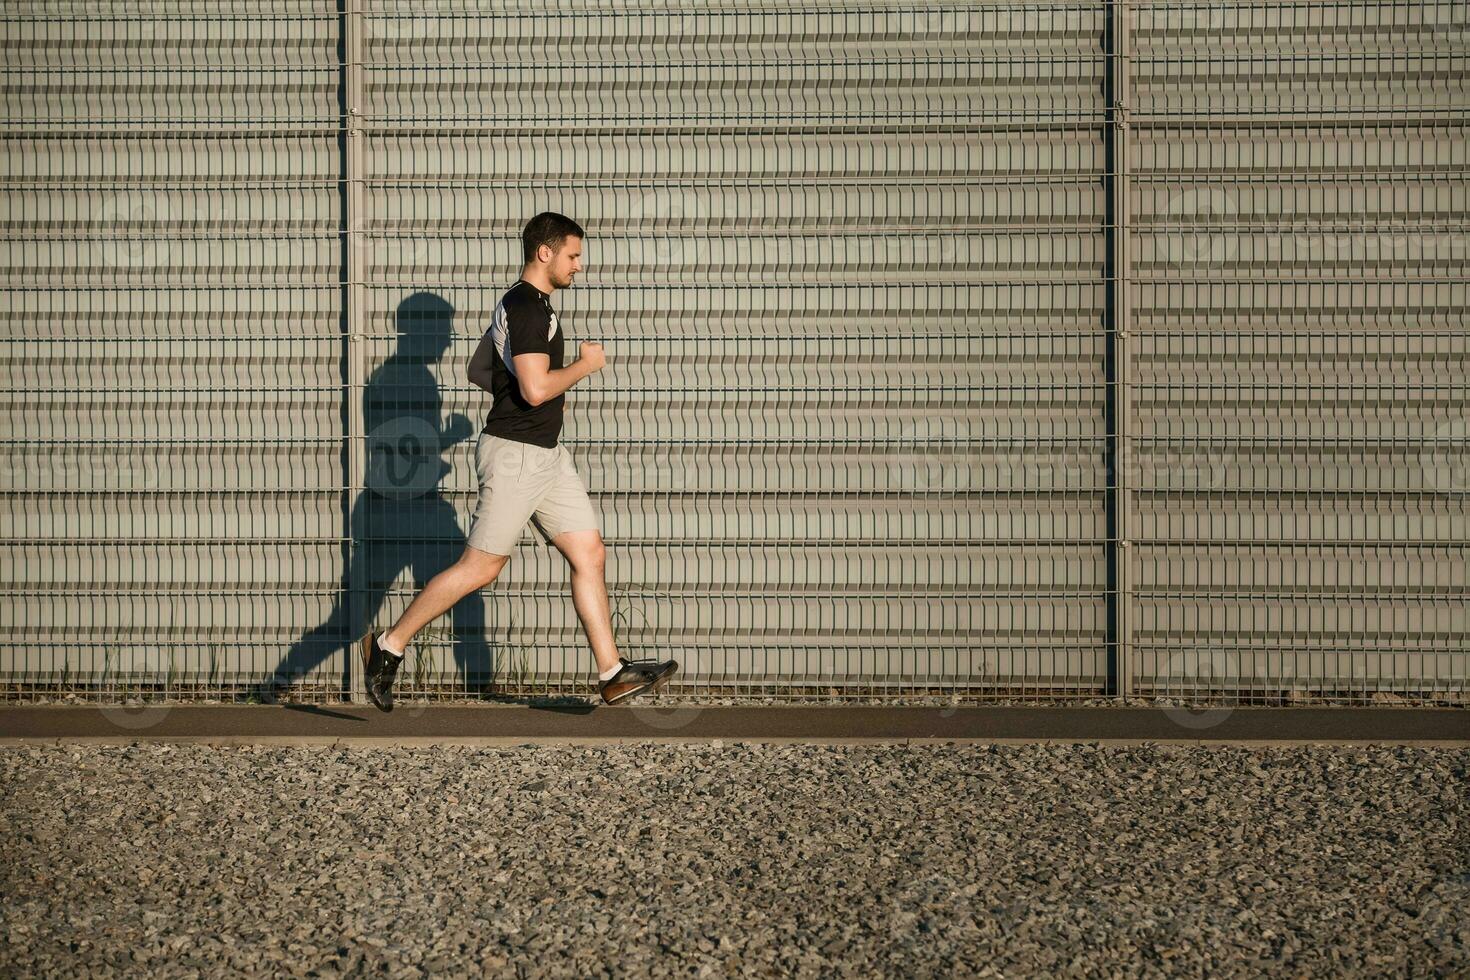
609, 674
383, 643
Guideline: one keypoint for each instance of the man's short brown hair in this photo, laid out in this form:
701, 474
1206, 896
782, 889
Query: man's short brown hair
547, 228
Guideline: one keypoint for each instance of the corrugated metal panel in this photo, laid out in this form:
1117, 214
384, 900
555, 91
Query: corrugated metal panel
854, 264
173, 393
850, 280
1300, 247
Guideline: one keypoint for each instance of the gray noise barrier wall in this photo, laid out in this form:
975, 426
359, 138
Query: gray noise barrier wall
1003, 349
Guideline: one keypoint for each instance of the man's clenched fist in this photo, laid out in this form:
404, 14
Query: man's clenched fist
591, 352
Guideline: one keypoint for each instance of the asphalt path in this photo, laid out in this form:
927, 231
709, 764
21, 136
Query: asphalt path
580, 722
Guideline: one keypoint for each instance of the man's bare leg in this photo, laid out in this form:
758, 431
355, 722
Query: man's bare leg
474, 570
588, 558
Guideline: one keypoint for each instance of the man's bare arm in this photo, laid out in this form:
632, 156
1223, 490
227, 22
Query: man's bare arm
539, 383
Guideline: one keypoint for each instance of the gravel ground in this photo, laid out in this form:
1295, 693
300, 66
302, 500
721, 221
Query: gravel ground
668, 859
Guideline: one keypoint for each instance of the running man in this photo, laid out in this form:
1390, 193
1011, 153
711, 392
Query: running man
524, 473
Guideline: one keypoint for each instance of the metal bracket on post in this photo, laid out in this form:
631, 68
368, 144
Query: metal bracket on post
352, 297
1120, 396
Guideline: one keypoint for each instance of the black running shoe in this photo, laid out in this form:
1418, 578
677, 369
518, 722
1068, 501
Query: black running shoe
380, 667
636, 677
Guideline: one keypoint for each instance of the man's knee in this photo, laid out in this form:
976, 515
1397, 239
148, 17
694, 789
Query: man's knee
482, 564
586, 552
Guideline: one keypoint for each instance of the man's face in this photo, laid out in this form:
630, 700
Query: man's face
566, 262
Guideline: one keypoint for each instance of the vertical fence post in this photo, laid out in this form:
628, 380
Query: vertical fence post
1120, 448
352, 298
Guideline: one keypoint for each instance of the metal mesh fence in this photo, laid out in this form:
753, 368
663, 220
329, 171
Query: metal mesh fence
1009, 350
1297, 239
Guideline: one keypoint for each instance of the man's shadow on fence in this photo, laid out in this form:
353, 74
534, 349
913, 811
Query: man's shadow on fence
401, 520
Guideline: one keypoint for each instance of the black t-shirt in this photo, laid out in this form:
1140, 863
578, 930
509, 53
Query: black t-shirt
523, 323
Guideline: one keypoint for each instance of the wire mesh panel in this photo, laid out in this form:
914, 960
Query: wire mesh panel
174, 490
847, 263
1299, 245
1020, 349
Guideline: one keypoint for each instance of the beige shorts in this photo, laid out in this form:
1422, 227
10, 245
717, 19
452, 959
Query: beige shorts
520, 482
